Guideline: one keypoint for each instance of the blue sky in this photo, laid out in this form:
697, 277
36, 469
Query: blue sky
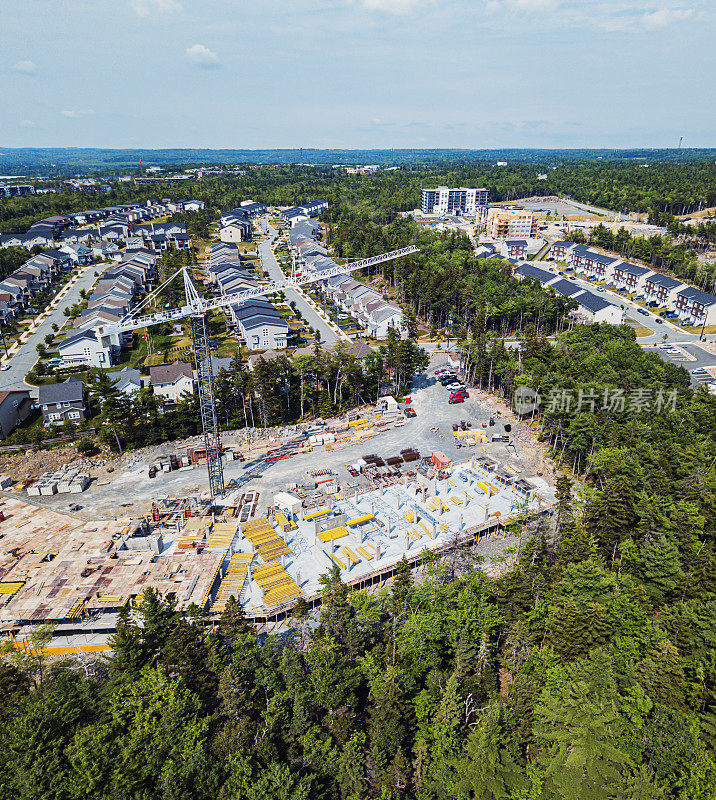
357, 73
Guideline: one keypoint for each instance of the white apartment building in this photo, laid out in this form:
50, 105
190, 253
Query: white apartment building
452, 201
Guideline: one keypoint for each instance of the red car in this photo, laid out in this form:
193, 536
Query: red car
456, 400
463, 394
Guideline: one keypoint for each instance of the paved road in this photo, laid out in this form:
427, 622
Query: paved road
24, 359
311, 316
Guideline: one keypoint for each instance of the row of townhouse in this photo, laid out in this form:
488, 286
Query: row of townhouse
235, 226
108, 223
692, 306
371, 311
258, 324
591, 308
35, 275
296, 214
91, 340
226, 271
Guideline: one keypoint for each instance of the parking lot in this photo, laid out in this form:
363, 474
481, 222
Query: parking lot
699, 363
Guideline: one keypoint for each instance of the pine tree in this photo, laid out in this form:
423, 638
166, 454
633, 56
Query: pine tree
389, 721
337, 615
488, 770
233, 623
662, 676
612, 515
129, 653
660, 568
351, 767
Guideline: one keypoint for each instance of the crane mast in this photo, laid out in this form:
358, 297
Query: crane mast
195, 310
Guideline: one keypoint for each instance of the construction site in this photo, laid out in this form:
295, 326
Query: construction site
359, 494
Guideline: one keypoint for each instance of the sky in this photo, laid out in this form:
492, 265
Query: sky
357, 73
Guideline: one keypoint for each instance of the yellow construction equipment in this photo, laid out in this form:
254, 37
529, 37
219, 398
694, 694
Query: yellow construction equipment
319, 512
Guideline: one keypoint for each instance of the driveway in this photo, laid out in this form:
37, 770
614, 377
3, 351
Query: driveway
23, 360
311, 316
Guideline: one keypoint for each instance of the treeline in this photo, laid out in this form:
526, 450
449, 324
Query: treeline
673, 187
660, 252
274, 392
445, 284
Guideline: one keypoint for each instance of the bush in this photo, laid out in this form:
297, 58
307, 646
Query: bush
86, 446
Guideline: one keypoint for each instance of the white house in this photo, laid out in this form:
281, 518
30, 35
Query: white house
171, 381
593, 309
87, 347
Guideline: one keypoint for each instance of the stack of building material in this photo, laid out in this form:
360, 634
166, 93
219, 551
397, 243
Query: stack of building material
193, 533
267, 543
233, 581
333, 533
80, 482
221, 536
278, 586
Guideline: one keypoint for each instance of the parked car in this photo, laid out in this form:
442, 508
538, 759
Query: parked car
409, 412
643, 311
699, 371
454, 400
4, 367
463, 395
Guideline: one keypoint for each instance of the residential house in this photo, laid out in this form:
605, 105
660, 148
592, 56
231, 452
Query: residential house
630, 277
106, 250
171, 381
63, 402
236, 231
513, 248
530, 271
128, 380
559, 250
661, 290
15, 407
88, 346
260, 325
79, 253
695, 307
594, 309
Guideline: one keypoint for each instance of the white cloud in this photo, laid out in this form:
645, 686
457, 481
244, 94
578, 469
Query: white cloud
665, 17
143, 8
533, 6
25, 67
82, 112
201, 56
392, 6
27, 123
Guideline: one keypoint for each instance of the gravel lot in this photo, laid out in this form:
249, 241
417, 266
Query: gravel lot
128, 491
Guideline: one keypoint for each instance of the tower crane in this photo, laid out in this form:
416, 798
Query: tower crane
195, 309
